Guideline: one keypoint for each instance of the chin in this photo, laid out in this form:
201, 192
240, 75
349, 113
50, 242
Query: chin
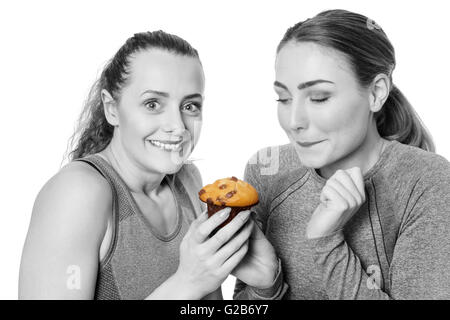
311, 161
169, 168
167, 163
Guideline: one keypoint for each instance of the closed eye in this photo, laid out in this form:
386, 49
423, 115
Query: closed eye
283, 101
320, 100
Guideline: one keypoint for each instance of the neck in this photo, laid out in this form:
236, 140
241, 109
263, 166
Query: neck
364, 156
138, 179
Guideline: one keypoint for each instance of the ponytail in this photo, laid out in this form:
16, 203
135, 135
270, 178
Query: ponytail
397, 120
95, 132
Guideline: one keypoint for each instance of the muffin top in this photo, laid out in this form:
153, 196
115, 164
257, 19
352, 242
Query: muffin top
230, 192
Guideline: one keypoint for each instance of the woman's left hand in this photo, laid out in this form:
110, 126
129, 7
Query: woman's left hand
341, 197
260, 265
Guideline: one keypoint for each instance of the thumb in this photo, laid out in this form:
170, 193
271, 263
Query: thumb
256, 231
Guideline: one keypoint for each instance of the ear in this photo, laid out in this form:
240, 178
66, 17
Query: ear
379, 92
110, 108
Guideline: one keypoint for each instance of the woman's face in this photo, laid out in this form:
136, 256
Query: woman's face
322, 108
160, 110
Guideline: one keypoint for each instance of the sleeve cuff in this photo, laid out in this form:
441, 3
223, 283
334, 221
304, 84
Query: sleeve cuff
327, 243
275, 291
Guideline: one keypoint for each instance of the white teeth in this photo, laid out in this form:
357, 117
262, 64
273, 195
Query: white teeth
164, 145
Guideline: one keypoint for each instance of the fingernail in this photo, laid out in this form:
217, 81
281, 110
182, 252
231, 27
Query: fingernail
244, 215
225, 212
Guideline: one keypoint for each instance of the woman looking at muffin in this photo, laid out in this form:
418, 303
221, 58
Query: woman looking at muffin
360, 205
123, 220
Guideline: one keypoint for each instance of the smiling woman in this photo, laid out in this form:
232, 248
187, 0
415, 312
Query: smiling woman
122, 220
359, 208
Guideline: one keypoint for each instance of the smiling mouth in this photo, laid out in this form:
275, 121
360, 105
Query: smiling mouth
166, 145
308, 144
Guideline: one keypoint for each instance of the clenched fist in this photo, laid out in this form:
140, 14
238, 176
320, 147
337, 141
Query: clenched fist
341, 197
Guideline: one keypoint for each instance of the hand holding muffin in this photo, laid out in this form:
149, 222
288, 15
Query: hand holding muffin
259, 266
206, 259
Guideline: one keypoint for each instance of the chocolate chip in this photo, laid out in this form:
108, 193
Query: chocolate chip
234, 178
230, 194
222, 186
209, 201
223, 203
201, 192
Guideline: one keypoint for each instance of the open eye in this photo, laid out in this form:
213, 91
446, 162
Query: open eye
152, 105
192, 108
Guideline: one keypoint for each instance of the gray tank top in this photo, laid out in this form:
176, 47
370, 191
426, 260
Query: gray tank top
139, 258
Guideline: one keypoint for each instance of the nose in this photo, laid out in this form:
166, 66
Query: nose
173, 122
298, 117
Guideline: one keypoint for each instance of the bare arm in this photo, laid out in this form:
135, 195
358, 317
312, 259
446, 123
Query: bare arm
61, 252
172, 290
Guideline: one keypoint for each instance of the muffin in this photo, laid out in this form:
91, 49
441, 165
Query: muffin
228, 192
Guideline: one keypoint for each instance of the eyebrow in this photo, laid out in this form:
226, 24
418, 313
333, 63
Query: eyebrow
303, 85
159, 93
166, 94
193, 96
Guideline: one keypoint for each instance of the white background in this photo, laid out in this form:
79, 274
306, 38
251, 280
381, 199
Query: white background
52, 51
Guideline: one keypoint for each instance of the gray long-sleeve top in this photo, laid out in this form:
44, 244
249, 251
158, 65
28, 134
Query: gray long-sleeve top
397, 246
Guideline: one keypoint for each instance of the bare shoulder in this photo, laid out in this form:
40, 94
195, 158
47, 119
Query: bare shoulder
81, 172
76, 192
68, 223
